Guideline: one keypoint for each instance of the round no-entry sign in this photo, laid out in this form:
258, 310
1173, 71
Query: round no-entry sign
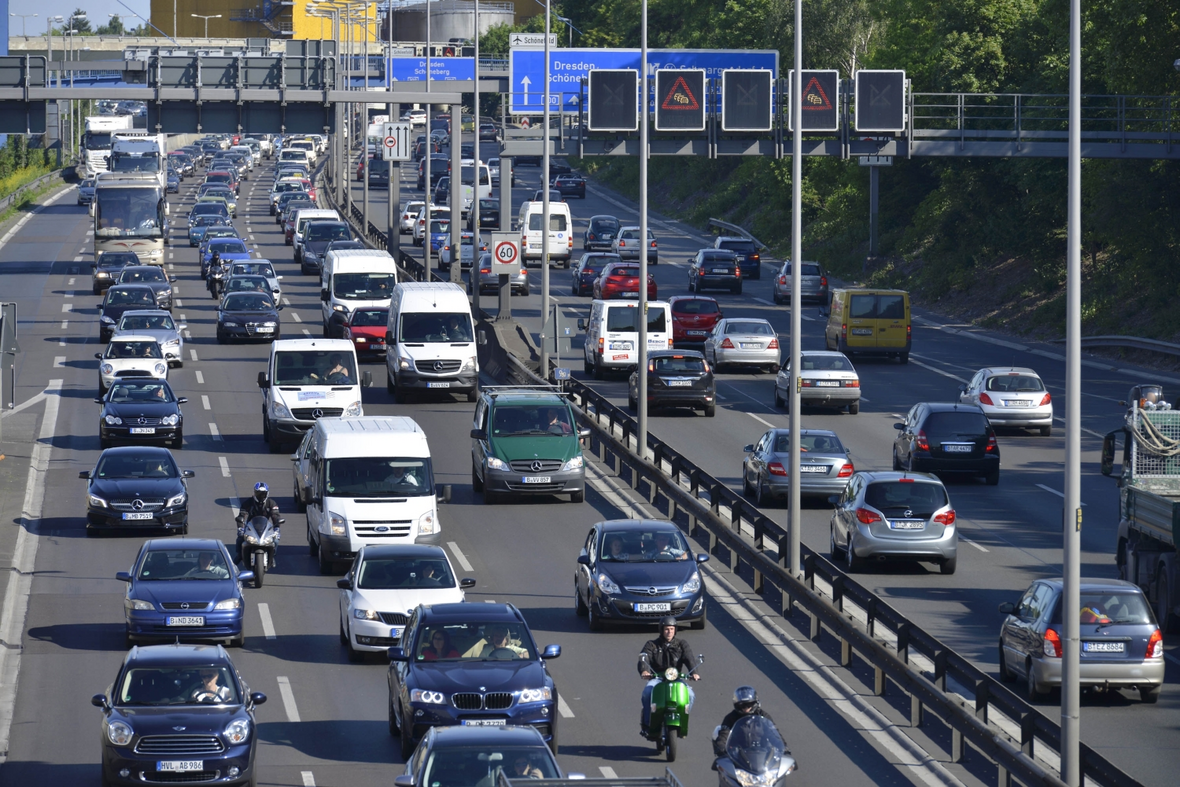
506, 252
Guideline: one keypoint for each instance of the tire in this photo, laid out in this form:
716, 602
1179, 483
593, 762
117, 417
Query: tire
104, 443
992, 478
407, 745
947, 567
896, 464
1046, 431
300, 505
1031, 691
1006, 675
587, 367
632, 404
702, 624
393, 729
670, 735
578, 497
525, 292
593, 619
472, 395
834, 552
476, 482
326, 564
598, 371
851, 561
389, 386
710, 410
580, 608
747, 490
1150, 696
313, 549
237, 642
259, 573
761, 498
854, 408
691, 286
778, 400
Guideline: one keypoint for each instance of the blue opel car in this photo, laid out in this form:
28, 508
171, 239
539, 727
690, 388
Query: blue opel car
471, 665
178, 713
187, 589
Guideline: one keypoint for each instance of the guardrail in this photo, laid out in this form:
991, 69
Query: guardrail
1128, 342
33, 185
736, 230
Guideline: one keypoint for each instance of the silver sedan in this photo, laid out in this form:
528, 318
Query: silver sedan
490, 282
824, 466
1011, 396
743, 341
827, 379
159, 325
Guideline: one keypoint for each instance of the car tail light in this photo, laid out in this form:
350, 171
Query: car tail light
782, 279
1155, 645
946, 517
776, 468
806, 383
737, 271
1052, 644
593, 236
601, 345
773, 344
846, 471
700, 271
921, 442
727, 344
985, 399
852, 383
844, 331
866, 517
907, 333
622, 242
754, 257
823, 281
653, 244
1046, 400
991, 444
482, 271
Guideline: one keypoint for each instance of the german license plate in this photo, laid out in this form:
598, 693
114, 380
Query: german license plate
438, 385
906, 524
679, 383
265, 329
535, 479
631, 295
1018, 403
138, 515
719, 270
377, 346
659, 607
396, 632
176, 766
143, 430
1104, 647
862, 331
826, 384
813, 468
187, 620
484, 722
750, 345
957, 449
696, 333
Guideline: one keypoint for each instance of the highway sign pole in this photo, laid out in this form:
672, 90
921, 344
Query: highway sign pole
641, 433
474, 276
505, 313
428, 191
794, 518
544, 371
1072, 513
456, 193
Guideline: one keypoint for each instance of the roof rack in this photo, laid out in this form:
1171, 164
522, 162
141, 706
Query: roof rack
496, 390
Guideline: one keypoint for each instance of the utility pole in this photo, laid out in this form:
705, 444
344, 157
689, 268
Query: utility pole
794, 522
641, 431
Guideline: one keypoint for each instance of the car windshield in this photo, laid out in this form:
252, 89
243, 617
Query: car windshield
474, 642
604, 225
393, 573
146, 322
254, 269
825, 363
895, 498
696, 306
453, 327
749, 328
1106, 607
118, 258
629, 271
140, 275
955, 424
369, 317
714, 258
482, 766
877, 307
623, 319
228, 246
198, 685
146, 392
130, 296
678, 364
326, 231
250, 283
292, 196
144, 349
247, 302
811, 443
173, 564
489, 204
364, 286
644, 546
1015, 383
440, 227
124, 465
314, 367
209, 209
510, 420
221, 232
379, 477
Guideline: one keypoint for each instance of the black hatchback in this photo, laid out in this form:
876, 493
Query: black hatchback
676, 378
571, 185
110, 264
122, 298
947, 438
136, 486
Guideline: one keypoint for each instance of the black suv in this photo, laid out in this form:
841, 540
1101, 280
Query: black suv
472, 665
178, 713
110, 264
747, 255
947, 438
676, 378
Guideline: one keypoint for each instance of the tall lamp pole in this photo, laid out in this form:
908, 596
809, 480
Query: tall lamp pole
544, 371
793, 424
23, 17
641, 432
206, 18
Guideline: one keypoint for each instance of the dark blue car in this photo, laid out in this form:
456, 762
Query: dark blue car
440, 234
228, 248
178, 713
588, 268
471, 665
185, 588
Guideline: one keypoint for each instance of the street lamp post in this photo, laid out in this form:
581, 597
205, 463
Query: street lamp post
206, 18
23, 17
120, 18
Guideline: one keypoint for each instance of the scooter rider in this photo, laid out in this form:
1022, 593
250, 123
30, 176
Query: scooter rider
658, 655
745, 703
259, 505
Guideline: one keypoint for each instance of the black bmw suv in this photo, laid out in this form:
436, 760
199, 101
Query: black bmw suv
947, 438
136, 486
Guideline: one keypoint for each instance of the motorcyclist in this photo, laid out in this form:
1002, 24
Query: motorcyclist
260, 504
657, 656
745, 703
214, 272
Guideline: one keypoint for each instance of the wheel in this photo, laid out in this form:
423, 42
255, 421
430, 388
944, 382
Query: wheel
389, 385
670, 735
701, 624
1163, 613
598, 371
343, 633
774, 367
710, 410
393, 731
407, 741
326, 564
312, 548
580, 608
776, 298
1032, 691
593, 617
691, 286
834, 552
259, 572
104, 443
1150, 695
300, 505
525, 292
993, 477
1006, 675
578, 497
1046, 431
778, 400
401, 395
896, 464
632, 404
476, 483
747, 490
761, 498
354, 656
265, 427
236, 642
949, 565
472, 395
851, 561
854, 408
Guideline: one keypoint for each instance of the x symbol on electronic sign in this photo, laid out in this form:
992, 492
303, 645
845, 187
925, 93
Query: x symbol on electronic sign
747, 95
615, 98
879, 97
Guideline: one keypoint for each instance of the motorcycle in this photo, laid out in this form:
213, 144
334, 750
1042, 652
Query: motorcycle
755, 754
260, 540
217, 276
669, 710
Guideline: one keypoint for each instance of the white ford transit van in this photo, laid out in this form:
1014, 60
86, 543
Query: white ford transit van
305, 380
352, 279
612, 334
431, 340
561, 231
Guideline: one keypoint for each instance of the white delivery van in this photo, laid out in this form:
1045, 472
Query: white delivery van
467, 187
354, 279
302, 217
431, 341
612, 334
369, 481
561, 231
306, 380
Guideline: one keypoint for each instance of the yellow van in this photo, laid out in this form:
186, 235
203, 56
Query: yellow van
870, 322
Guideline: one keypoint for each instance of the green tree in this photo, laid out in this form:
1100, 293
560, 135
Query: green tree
82, 25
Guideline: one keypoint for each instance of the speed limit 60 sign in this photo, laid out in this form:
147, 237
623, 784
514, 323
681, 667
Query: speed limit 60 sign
395, 145
505, 252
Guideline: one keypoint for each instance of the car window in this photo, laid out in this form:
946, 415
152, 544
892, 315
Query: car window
671, 364
695, 306
810, 443
452, 327
153, 392
142, 275
1015, 383
481, 766
369, 317
374, 477
891, 307
825, 363
154, 686
644, 546
622, 319
126, 349
1102, 608
247, 302
228, 246
146, 322
123, 465
392, 573
955, 424
183, 564
862, 307
493, 641
556, 222
896, 497
741, 246
531, 419
749, 327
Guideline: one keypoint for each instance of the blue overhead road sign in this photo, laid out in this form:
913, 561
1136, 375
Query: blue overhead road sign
443, 69
569, 66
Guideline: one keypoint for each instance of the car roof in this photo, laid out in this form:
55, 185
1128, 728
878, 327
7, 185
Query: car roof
135, 450
466, 611
153, 544
528, 397
675, 354
724, 238
177, 654
691, 298
147, 313
1092, 584
132, 337
504, 735
132, 285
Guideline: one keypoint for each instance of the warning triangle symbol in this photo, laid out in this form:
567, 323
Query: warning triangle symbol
680, 97
814, 97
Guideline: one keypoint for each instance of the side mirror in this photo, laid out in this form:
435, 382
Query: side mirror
467, 583
702, 558
1108, 449
171, 278
187, 474
389, 337
583, 434
324, 296
182, 400
99, 701
403, 781
397, 654
1007, 608
899, 427
263, 380
749, 449
551, 652
123, 576
84, 474
366, 379
98, 356
282, 521
257, 697
581, 323
479, 434
278, 277
444, 495
245, 576
962, 389
583, 560
344, 584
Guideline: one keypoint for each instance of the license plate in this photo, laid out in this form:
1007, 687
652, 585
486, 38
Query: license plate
750, 345
180, 765
265, 330
661, 607
719, 270
630, 295
438, 385
138, 515
826, 384
535, 479
1018, 403
1104, 647
862, 331
813, 468
189, 620
143, 430
906, 524
484, 722
396, 633
696, 333
377, 346
957, 449
679, 383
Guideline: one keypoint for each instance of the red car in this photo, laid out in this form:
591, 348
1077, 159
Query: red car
693, 318
309, 187
366, 330
621, 280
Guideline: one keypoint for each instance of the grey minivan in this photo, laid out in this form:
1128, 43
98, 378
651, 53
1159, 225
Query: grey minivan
813, 283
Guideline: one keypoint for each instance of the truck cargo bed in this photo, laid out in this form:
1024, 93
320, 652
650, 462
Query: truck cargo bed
1153, 512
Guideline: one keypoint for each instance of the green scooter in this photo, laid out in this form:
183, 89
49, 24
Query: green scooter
670, 699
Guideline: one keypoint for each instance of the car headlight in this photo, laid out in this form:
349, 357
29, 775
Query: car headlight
170, 420
177, 500
692, 585
106, 368
497, 464
97, 501
161, 368
338, 524
426, 524
229, 603
102, 275
574, 464
113, 420
365, 614
137, 604
279, 410
470, 365
536, 695
428, 697
405, 363
607, 585
172, 342
232, 324
119, 733
339, 307
238, 731
271, 324
106, 319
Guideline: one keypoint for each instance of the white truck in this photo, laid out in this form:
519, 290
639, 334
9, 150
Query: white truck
96, 142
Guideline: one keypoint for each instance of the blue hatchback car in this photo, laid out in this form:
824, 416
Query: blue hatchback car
440, 234
471, 665
187, 589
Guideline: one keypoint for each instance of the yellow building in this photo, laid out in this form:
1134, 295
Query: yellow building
293, 19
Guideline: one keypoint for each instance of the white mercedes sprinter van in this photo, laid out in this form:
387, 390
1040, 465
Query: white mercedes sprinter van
352, 279
431, 341
306, 380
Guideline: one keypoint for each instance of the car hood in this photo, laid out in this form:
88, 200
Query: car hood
162, 336
191, 590
228, 256
194, 719
404, 599
136, 487
540, 446
135, 409
644, 575
451, 676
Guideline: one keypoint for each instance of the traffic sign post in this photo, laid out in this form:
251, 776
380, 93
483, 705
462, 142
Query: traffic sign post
820, 104
880, 101
680, 99
746, 100
395, 144
613, 100
9, 347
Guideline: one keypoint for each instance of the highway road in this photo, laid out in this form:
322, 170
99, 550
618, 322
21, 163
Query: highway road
325, 722
1009, 535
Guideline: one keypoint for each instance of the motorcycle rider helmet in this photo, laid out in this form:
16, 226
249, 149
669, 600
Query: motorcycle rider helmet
667, 621
745, 698
260, 491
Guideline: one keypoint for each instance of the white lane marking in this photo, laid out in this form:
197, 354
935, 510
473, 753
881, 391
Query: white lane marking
761, 420
1052, 491
69, 295
563, 708
188, 335
972, 543
306, 332
308, 778
179, 303
67, 307
221, 460
463, 561
963, 380
193, 354
78, 258
170, 254
296, 317
70, 283
489, 601
286, 301
24, 559
268, 625
205, 402
59, 361
200, 377
32, 400
608, 772
288, 698
1090, 432
214, 431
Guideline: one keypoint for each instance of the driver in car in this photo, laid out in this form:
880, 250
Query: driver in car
209, 691
336, 372
498, 639
207, 569
662, 549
